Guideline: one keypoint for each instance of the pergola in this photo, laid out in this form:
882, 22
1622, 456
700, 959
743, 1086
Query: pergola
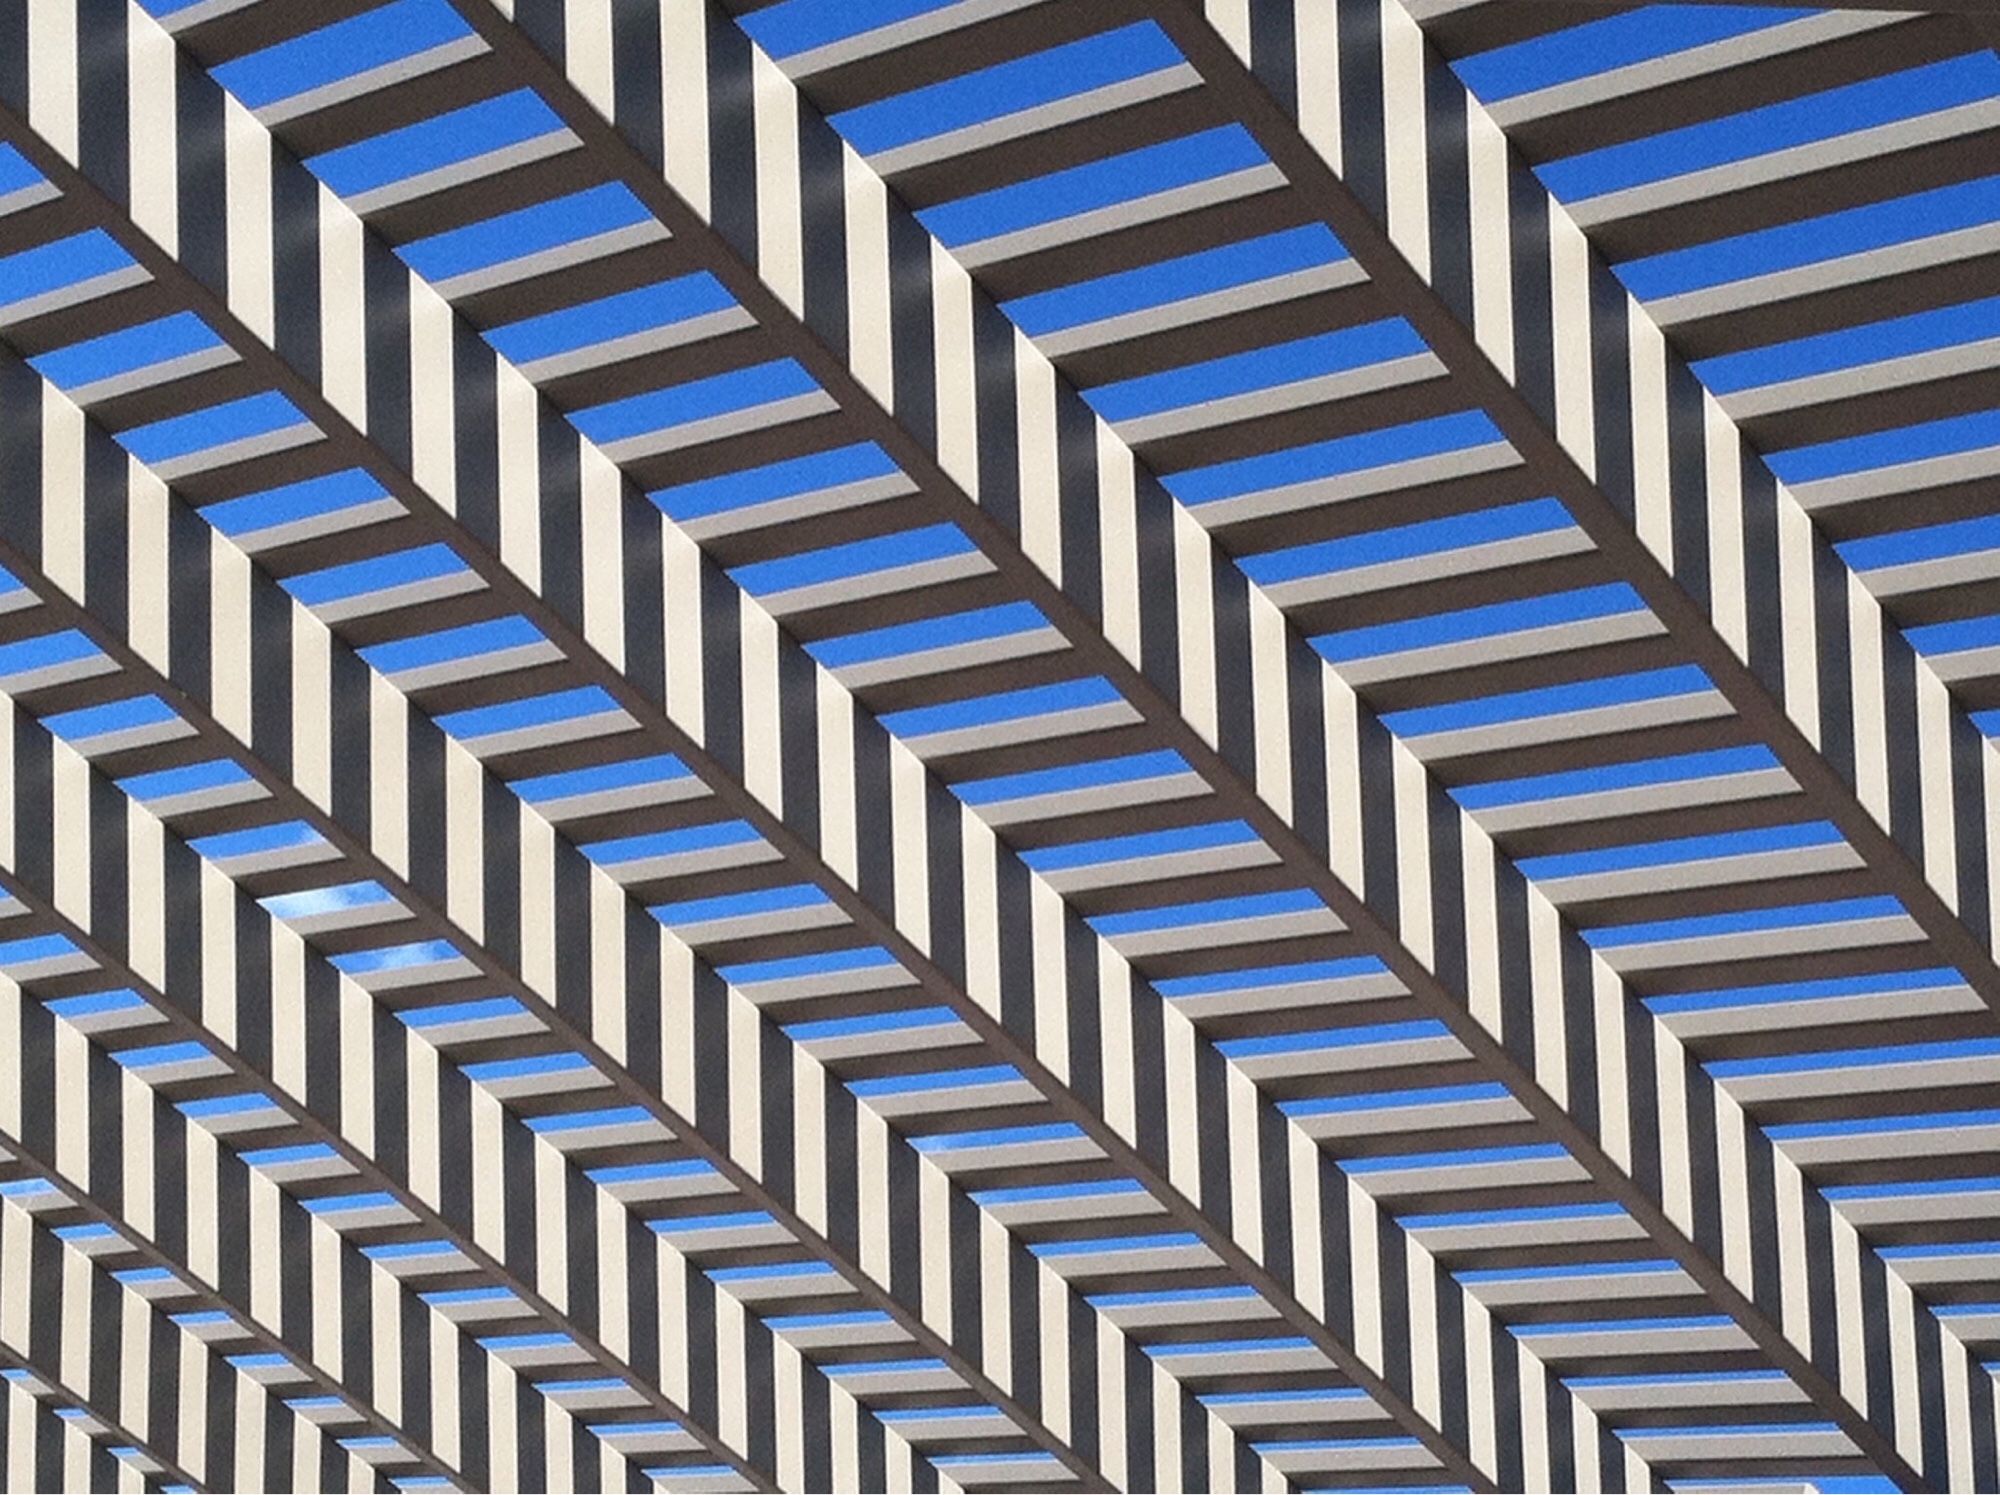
987, 744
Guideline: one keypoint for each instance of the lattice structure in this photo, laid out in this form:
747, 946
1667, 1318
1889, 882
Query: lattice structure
1171, 745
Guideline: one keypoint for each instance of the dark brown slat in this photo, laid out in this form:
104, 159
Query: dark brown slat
1751, 85
1807, 195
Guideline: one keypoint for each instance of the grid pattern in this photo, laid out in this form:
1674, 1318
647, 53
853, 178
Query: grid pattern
986, 744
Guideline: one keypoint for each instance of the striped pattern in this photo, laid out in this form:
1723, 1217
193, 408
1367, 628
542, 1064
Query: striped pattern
660, 975
1327, 1298
186, 1424
179, 1197
410, 1143
393, 829
56, 1444
1427, 161
1452, 897
399, 866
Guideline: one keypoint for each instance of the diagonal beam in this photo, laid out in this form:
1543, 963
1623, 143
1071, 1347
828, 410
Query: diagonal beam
76, 823
844, 321
1604, 1165
62, 824
1451, 1290
1621, 507
914, 816
50, 1439
190, 595
1892, 713
298, 1281
84, 818
51, 818
63, 509
1601, 1158
855, 392
440, 776
256, 1008
119, 608
196, 703
445, 528
1395, 240
419, 1373
1435, 937
1929, 844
